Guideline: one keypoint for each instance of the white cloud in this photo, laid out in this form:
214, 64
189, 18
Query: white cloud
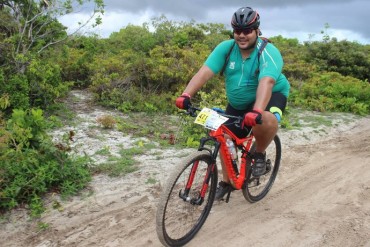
72, 21
348, 35
309, 36
113, 21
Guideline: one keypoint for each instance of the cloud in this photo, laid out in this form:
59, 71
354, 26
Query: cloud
346, 18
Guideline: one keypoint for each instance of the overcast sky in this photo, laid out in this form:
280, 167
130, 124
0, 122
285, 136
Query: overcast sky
347, 19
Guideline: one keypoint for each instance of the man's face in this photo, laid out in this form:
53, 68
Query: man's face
245, 38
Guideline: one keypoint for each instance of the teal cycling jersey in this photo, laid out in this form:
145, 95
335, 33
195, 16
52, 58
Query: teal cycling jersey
242, 76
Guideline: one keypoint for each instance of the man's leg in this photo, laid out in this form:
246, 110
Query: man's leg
265, 132
225, 185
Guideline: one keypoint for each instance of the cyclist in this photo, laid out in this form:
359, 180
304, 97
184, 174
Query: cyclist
255, 86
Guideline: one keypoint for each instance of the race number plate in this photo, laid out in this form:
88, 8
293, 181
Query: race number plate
210, 119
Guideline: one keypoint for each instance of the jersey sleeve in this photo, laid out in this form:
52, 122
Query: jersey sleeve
271, 62
216, 59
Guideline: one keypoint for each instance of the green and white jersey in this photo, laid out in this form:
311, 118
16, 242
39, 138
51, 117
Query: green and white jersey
241, 80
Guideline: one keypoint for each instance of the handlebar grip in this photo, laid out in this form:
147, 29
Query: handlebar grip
259, 119
243, 126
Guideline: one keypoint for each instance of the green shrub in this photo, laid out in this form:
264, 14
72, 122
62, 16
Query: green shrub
45, 83
31, 165
39, 86
16, 86
333, 92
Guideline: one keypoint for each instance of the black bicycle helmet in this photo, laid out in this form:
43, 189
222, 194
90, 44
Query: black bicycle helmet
245, 18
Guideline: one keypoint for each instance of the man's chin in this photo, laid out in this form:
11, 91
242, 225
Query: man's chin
246, 46
243, 44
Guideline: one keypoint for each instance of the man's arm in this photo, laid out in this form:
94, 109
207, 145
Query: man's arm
264, 92
199, 79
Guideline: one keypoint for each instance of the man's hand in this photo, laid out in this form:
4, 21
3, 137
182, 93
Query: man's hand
183, 102
252, 118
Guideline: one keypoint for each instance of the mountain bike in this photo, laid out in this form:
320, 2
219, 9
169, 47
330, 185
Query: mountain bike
188, 197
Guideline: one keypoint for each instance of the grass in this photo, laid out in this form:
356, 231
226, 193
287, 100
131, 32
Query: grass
122, 164
151, 180
105, 151
157, 127
116, 166
61, 115
42, 226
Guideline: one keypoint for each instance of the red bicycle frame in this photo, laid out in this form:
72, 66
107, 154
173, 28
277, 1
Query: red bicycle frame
219, 134
237, 179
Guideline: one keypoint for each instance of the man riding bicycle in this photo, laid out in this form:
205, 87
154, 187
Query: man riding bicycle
255, 86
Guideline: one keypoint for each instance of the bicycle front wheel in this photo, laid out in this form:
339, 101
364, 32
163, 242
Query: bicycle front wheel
256, 188
182, 209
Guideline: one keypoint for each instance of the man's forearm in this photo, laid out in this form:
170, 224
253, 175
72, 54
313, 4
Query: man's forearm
264, 92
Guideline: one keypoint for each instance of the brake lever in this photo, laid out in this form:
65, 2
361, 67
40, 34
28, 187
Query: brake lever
191, 111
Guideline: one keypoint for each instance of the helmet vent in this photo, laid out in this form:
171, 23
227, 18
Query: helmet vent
245, 17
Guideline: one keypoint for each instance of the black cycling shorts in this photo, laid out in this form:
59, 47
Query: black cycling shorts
278, 100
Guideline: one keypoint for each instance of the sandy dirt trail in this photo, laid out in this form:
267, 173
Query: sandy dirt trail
321, 198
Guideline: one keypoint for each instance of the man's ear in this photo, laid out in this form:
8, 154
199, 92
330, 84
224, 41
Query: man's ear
259, 33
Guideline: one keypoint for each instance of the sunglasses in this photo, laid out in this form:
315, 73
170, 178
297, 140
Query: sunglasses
244, 31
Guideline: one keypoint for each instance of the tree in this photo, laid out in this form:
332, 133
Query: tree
28, 28
32, 26
139, 39
345, 57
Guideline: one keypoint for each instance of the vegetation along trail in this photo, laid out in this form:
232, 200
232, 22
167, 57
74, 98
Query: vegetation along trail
320, 198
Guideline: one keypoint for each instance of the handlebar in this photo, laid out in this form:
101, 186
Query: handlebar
192, 111
238, 119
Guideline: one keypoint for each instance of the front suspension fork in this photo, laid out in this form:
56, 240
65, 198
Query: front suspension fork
200, 198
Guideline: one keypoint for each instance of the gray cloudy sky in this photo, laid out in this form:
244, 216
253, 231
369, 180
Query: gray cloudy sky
348, 19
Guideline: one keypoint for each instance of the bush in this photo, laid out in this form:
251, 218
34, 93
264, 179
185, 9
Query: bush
30, 165
17, 88
45, 83
106, 121
39, 86
333, 92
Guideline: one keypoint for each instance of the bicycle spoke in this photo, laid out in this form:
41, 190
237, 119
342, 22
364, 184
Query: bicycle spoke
258, 187
179, 217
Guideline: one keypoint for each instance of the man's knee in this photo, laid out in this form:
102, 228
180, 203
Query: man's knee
269, 119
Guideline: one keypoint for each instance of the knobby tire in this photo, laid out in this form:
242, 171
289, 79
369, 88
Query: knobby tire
178, 221
256, 189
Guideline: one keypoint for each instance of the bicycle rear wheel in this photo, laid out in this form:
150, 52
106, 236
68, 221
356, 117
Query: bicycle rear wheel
257, 188
180, 217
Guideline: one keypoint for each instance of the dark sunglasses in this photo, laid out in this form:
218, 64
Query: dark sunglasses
244, 31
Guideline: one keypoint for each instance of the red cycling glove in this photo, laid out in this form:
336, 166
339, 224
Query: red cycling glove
183, 102
252, 118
